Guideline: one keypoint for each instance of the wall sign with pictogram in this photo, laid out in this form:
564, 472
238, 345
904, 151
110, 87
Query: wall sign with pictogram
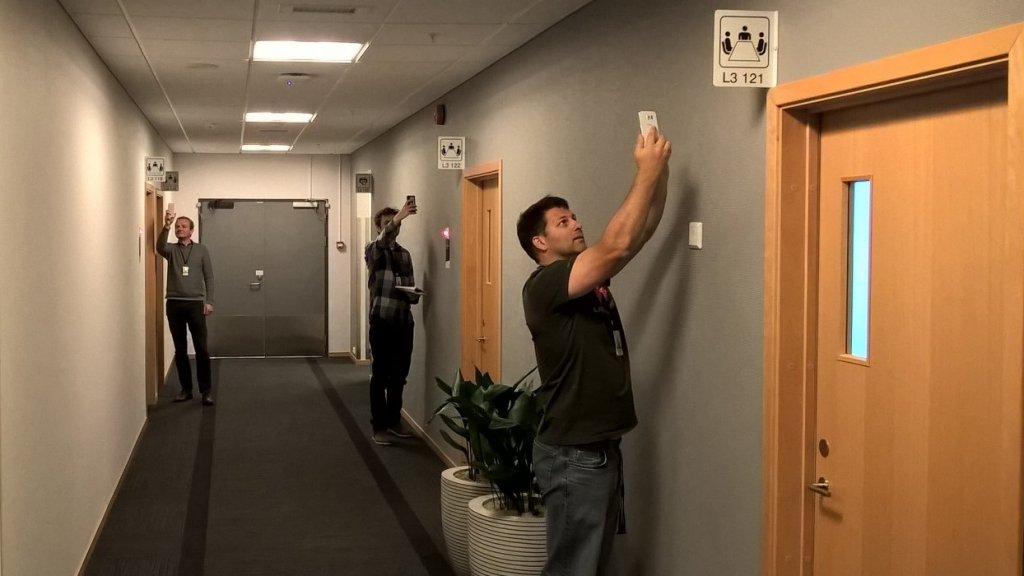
746, 48
155, 169
451, 152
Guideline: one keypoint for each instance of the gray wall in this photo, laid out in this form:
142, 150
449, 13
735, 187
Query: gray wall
72, 355
561, 115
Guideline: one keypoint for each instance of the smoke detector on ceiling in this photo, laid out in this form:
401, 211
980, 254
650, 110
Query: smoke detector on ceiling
293, 78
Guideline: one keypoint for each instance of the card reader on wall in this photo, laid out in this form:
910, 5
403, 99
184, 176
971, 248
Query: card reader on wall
696, 235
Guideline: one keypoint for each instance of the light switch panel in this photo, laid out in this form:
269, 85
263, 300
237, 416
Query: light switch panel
697, 235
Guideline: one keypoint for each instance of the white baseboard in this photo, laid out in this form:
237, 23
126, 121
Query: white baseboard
415, 426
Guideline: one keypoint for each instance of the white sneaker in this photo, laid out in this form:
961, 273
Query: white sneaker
382, 439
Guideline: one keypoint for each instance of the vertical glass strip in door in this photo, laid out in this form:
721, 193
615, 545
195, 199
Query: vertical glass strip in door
858, 259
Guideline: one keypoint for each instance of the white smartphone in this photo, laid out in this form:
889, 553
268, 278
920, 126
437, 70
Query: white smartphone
648, 118
170, 208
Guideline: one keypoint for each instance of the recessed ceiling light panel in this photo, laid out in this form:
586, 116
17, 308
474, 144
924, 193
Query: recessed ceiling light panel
265, 147
289, 51
288, 117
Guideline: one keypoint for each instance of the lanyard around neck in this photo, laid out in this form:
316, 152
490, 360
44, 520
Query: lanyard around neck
186, 258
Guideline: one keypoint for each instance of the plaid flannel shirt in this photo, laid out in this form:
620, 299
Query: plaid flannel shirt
387, 262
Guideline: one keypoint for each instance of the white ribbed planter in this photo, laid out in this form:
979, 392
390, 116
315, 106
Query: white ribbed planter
456, 492
503, 543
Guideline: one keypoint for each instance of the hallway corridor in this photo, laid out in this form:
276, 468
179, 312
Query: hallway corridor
280, 477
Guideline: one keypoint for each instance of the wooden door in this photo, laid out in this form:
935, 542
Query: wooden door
919, 439
154, 266
481, 270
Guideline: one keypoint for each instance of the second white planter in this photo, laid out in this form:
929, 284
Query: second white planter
503, 543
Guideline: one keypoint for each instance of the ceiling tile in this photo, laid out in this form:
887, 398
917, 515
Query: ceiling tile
91, 6
193, 29
458, 11
106, 25
550, 11
382, 86
517, 34
271, 134
434, 34
229, 9
198, 51
111, 47
367, 11
381, 54
269, 91
221, 72
319, 31
483, 56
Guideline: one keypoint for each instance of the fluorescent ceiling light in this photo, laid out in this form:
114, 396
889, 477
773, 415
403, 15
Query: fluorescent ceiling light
290, 117
288, 51
265, 147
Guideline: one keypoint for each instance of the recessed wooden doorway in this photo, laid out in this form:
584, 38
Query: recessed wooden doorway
154, 264
905, 457
481, 270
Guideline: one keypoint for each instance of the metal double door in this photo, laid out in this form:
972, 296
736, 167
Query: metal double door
270, 272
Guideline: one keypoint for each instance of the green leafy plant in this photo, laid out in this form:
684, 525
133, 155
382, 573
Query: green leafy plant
497, 424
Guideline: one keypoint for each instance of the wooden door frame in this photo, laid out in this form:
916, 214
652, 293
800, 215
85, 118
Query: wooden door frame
153, 205
791, 230
471, 202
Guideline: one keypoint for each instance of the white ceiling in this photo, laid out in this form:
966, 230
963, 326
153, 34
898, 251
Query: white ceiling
186, 63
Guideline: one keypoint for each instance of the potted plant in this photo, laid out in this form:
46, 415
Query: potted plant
460, 484
494, 428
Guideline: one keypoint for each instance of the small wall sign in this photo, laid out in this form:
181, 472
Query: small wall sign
746, 48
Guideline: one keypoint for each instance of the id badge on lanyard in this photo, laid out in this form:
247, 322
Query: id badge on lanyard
184, 270
617, 336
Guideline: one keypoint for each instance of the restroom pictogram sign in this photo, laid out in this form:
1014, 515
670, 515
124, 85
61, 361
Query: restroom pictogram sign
746, 48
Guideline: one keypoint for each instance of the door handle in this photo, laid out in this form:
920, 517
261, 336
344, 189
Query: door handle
255, 284
820, 487
481, 339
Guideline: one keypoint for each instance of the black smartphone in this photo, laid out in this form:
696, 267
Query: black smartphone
410, 199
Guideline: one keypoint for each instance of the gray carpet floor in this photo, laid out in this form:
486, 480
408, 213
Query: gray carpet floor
280, 477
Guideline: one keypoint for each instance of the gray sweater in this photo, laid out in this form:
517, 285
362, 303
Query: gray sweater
198, 285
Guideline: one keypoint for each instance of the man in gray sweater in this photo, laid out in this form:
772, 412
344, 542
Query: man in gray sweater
189, 302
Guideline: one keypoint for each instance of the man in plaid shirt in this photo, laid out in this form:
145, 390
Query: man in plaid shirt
391, 323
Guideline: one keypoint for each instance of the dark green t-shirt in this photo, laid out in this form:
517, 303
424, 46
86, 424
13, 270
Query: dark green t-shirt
582, 359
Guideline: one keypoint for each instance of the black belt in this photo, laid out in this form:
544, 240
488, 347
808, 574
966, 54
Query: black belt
599, 445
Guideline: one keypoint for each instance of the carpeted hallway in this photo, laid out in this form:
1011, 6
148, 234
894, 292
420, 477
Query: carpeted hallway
280, 477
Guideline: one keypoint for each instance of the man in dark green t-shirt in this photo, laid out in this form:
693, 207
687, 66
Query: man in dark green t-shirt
583, 361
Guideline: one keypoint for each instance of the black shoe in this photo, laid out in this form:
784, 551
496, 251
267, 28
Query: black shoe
208, 399
400, 431
183, 396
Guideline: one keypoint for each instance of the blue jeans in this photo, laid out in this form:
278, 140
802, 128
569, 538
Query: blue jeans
581, 487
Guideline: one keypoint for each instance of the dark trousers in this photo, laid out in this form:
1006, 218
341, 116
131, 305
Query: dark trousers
185, 316
391, 346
